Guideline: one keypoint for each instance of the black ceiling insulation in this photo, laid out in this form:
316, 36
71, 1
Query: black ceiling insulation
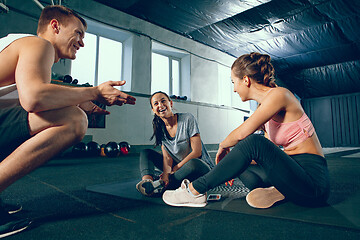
314, 44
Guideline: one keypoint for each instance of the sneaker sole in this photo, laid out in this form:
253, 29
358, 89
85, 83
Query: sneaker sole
16, 231
142, 190
185, 204
264, 197
15, 211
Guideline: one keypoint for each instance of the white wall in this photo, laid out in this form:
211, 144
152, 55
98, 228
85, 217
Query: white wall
204, 80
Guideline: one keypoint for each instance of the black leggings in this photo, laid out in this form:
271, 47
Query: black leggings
193, 169
302, 179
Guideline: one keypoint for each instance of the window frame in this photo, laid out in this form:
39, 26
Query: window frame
118, 35
184, 67
171, 80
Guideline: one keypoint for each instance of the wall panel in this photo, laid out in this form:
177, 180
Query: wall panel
336, 119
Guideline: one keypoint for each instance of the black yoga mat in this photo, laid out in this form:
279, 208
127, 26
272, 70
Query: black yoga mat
343, 209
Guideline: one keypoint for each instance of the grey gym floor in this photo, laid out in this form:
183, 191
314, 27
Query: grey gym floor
55, 197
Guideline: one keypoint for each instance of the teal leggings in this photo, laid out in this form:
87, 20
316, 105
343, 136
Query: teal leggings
193, 169
302, 179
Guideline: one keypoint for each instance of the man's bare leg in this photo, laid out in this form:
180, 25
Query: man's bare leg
52, 132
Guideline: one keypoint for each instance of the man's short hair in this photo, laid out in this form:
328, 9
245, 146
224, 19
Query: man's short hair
60, 13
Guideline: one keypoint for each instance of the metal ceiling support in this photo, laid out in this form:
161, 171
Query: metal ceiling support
54, 2
58, 2
3, 8
38, 4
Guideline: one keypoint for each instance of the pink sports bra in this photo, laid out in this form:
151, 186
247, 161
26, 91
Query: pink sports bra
290, 134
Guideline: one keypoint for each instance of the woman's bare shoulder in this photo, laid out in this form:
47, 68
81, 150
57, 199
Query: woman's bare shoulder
282, 94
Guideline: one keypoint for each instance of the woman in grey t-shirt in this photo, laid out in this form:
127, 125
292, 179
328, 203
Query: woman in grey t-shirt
183, 153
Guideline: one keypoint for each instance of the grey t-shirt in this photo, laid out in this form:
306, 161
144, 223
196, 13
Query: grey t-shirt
179, 146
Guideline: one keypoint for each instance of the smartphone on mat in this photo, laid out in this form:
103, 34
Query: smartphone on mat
214, 197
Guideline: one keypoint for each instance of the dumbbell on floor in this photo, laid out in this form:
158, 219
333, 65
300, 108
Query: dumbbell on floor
111, 149
80, 149
93, 149
124, 148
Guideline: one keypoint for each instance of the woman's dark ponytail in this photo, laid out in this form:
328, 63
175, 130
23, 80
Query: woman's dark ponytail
158, 126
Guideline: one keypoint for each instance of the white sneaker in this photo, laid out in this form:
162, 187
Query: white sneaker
182, 198
148, 187
264, 197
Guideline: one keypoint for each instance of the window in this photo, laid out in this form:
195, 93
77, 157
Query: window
103, 57
110, 54
86, 56
165, 74
175, 74
170, 70
160, 73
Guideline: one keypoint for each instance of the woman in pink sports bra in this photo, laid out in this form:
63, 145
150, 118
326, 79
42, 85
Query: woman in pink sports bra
298, 173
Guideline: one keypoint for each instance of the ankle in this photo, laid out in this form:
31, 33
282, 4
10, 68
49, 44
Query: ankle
147, 177
192, 190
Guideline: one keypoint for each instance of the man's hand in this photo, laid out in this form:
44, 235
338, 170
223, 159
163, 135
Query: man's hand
91, 108
109, 95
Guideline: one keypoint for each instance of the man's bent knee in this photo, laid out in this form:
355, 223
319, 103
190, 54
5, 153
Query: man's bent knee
73, 119
78, 123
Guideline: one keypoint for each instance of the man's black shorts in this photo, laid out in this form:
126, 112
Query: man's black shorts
14, 129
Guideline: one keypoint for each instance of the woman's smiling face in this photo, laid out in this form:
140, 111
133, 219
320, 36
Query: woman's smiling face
161, 105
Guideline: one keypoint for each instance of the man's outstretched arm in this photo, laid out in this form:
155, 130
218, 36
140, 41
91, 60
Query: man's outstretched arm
36, 94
